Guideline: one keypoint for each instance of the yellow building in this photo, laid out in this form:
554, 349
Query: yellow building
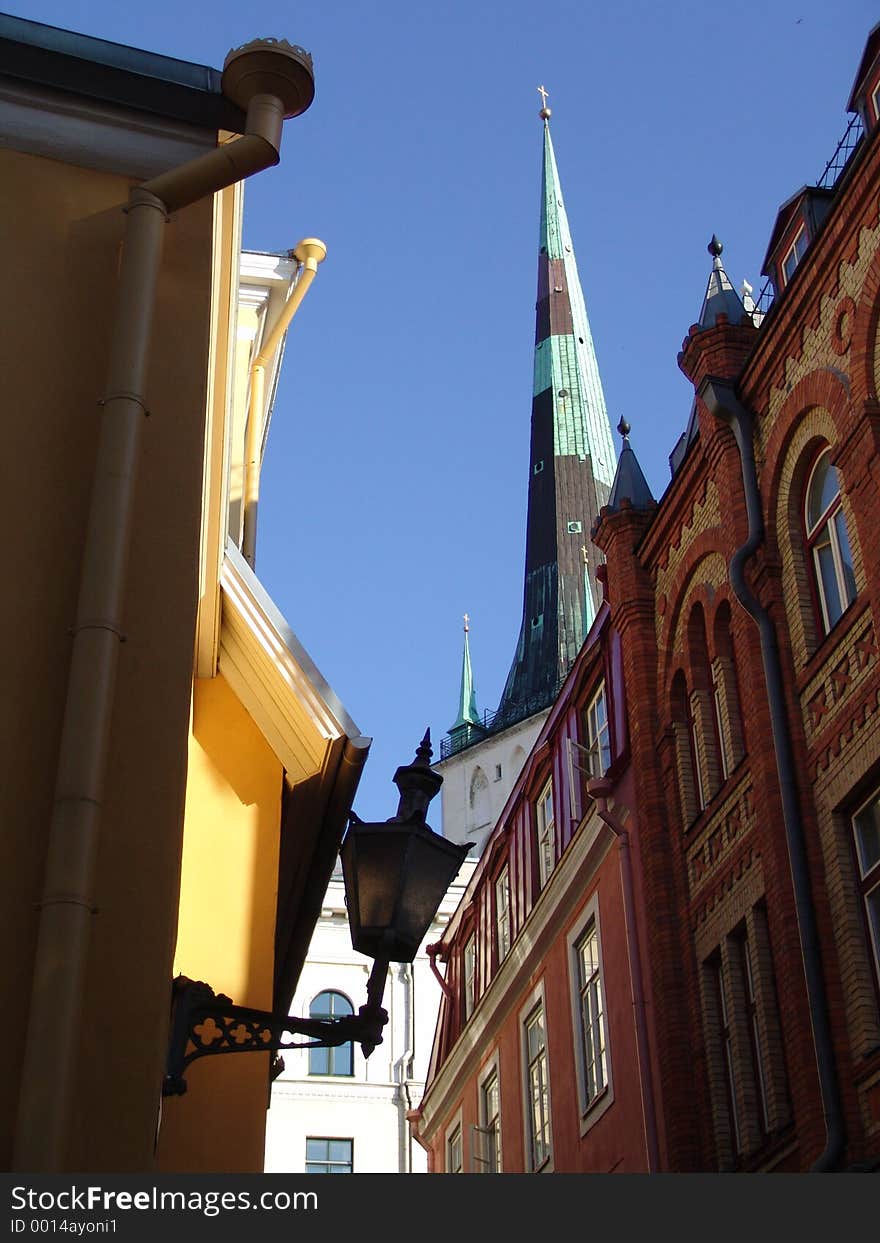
176, 773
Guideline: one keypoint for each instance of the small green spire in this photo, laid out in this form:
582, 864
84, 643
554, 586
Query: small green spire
468, 714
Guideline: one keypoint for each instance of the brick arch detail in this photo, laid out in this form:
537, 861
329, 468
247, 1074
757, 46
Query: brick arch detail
684, 593
822, 389
866, 327
677, 657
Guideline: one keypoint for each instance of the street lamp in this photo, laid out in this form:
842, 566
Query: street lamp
396, 873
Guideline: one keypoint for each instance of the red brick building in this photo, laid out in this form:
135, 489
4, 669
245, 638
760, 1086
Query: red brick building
668, 956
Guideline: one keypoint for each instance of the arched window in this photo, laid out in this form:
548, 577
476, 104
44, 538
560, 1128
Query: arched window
338, 1061
705, 740
725, 693
828, 542
689, 783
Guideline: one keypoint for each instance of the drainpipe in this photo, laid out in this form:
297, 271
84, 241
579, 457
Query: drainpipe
599, 789
404, 1065
432, 951
309, 253
721, 401
414, 1117
271, 80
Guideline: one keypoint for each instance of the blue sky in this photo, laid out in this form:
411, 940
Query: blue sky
394, 488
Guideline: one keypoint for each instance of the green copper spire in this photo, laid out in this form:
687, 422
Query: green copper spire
571, 468
468, 714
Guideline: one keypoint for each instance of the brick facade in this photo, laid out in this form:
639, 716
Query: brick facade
713, 811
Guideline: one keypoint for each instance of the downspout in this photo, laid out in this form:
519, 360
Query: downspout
404, 1065
432, 951
272, 80
414, 1117
308, 253
721, 401
599, 790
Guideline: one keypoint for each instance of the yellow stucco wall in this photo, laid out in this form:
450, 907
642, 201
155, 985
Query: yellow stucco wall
227, 927
60, 283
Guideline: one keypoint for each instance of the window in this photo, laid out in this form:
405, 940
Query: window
866, 825
453, 1151
720, 737
793, 255
502, 914
546, 833
597, 733
470, 976
745, 1057
828, 542
537, 1089
488, 1152
497, 772
751, 1007
329, 1156
694, 743
726, 1043
875, 100
338, 1061
591, 1013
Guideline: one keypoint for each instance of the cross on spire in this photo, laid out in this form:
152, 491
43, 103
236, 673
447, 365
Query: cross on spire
466, 620
544, 114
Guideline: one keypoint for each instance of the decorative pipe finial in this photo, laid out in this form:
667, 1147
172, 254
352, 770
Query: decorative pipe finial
715, 248
624, 428
545, 112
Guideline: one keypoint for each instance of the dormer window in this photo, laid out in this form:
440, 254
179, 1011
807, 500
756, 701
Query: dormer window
793, 255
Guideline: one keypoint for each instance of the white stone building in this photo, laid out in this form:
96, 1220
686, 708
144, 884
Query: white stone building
331, 1108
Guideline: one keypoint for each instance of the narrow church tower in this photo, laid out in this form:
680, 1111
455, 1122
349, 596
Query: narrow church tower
571, 470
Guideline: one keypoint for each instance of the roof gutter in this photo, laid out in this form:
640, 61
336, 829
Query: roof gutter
273, 81
308, 253
722, 402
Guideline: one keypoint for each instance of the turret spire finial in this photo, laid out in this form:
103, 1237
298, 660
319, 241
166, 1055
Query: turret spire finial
466, 621
715, 248
545, 112
624, 428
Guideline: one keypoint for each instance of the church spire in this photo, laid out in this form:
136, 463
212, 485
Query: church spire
468, 715
571, 468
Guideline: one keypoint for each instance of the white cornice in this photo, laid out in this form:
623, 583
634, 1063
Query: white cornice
558, 902
274, 677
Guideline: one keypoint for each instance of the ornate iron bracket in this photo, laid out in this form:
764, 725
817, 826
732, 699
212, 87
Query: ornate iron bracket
205, 1023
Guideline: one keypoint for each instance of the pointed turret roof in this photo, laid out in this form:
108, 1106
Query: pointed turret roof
468, 713
629, 482
721, 297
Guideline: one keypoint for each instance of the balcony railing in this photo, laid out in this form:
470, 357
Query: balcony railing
828, 179
494, 722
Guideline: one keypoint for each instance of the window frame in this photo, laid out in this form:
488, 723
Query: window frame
534, 1006
503, 928
469, 975
332, 1054
596, 745
545, 832
330, 1139
489, 1128
812, 535
798, 248
453, 1135
592, 1105
868, 880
